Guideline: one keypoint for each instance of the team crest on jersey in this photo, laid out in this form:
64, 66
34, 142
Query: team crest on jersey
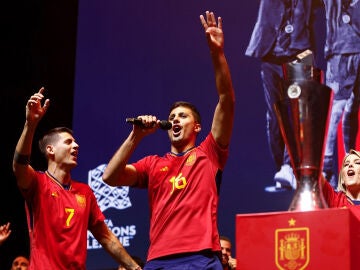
191, 159
292, 248
81, 200
107, 196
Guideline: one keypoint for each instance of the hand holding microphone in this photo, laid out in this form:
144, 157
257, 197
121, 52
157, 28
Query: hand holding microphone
163, 124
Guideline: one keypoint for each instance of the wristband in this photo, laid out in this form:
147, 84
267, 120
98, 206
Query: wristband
21, 159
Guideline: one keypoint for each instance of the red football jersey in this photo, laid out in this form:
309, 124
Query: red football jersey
58, 220
333, 198
183, 196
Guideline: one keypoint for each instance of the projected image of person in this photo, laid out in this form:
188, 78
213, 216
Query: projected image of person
183, 185
348, 187
59, 210
342, 52
283, 30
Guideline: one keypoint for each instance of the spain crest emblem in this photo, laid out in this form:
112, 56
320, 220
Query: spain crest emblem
292, 248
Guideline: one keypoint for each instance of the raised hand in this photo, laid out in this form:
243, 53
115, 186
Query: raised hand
213, 31
4, 232
34, 110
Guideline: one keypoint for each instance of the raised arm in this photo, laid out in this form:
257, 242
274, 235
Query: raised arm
24, 173
224, 112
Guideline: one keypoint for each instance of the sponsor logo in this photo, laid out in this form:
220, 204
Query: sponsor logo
164, 169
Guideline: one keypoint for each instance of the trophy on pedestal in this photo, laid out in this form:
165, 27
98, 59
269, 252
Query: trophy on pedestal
303, 115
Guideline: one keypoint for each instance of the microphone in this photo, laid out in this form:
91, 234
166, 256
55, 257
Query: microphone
165, 125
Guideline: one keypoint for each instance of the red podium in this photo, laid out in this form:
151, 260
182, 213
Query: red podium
322, 239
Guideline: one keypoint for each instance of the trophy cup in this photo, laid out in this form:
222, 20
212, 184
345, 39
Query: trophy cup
303, 115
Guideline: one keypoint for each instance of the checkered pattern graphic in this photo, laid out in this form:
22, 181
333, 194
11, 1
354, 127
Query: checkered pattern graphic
107, 197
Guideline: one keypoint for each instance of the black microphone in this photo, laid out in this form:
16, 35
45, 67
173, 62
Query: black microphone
165, 125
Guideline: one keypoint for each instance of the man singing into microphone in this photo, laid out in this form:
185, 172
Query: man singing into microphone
183, 185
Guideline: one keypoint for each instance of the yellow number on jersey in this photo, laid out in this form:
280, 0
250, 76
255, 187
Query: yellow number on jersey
71, 212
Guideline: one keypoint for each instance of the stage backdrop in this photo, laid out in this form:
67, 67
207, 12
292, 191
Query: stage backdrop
138, 57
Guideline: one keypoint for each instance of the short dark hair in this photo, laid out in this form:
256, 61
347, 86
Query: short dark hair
225, 238
187, 105
52, 136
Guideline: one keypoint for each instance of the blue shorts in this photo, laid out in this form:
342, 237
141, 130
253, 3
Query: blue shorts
187, 261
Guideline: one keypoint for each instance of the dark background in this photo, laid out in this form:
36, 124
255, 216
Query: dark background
39, 40
37, 48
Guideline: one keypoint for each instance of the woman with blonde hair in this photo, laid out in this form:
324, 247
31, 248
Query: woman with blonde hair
348, 188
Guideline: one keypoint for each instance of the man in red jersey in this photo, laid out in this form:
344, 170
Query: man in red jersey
183, 185
59, 209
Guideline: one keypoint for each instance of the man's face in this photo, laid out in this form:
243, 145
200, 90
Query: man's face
65, 150
225, 251
184, 127
20, 263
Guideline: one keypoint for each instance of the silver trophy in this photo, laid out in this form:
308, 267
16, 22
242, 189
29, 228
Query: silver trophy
303, 115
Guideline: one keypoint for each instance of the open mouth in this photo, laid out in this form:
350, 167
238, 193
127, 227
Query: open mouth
74, 154
350, 172
176, 130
